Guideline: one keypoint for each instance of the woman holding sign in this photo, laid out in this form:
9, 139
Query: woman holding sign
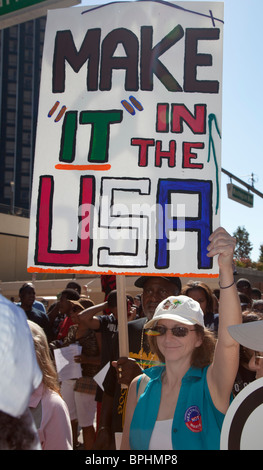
181, 405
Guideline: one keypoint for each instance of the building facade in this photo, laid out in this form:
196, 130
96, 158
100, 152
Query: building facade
21, 49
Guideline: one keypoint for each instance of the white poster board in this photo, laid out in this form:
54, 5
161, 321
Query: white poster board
128, 148
66, 367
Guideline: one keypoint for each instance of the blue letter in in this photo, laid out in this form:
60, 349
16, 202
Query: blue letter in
202, 224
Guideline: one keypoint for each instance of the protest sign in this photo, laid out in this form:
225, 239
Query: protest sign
242, 424
127, 158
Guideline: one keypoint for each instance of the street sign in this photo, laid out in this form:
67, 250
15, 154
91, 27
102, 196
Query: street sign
240, 195
18, 11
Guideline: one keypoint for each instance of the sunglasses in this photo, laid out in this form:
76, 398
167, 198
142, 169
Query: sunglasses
179, 331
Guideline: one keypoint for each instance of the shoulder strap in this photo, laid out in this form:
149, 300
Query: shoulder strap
143, 382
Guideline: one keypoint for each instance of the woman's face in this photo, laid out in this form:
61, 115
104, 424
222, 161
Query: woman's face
176, 348
199, 296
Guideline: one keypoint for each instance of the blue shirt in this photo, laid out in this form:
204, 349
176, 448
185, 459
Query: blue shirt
196, 423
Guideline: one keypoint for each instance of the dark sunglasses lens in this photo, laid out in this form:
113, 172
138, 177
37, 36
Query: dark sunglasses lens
179, 331
156, 331
160, 330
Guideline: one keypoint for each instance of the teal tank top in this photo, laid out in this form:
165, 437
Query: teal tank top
196, 424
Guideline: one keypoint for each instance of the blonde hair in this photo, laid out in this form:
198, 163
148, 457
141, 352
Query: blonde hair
50, 377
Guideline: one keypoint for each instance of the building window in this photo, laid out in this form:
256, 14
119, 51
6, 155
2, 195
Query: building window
9, 161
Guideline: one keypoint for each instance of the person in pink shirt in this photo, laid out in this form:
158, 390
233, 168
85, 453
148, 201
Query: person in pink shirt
48, 408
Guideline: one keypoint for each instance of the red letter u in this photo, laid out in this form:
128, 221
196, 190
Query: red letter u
82, 256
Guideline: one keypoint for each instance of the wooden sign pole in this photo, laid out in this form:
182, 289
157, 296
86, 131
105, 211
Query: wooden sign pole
122, 316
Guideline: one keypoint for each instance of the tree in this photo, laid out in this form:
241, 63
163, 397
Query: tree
261, 254
243, 244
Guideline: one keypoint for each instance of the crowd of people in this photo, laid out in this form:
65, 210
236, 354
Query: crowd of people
187, 360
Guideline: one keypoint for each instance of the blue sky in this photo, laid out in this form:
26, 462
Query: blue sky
242, 118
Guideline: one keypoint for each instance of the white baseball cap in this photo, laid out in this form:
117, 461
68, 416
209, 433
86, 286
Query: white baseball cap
180, 308
248, 334
19, 370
